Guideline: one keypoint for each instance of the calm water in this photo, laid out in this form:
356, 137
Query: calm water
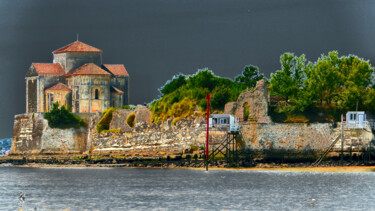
180, 189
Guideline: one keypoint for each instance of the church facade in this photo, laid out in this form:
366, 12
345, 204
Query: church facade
78, 80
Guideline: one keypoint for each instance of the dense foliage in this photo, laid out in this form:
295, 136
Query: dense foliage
331, 82
62, 118
184, 96
312, 91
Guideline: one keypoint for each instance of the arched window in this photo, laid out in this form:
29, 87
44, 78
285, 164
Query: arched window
96, 94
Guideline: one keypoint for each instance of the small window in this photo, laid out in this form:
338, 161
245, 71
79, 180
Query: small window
353, 117
223, 121
50, 103
96, 94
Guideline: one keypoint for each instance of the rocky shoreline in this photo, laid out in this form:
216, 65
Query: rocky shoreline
83, 161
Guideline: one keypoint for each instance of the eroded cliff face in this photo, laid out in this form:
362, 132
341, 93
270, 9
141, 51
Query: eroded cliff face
32, 135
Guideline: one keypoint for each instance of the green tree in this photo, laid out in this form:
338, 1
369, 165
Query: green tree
357, 76
250, 76
204, 78
172, 85
221, 95
288, 81
324, 79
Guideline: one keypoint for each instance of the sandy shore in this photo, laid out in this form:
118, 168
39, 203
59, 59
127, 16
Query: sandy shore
331, 169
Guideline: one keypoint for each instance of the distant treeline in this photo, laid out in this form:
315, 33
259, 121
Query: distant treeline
332, 82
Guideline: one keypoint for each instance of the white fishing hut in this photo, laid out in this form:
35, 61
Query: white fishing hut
356, 119
224, 121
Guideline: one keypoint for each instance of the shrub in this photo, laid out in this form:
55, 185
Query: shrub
63, 118
131, 120
105, 121
126, 107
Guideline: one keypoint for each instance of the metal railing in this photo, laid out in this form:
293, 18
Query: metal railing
229, 127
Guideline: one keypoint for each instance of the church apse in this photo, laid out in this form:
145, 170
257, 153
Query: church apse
77, 79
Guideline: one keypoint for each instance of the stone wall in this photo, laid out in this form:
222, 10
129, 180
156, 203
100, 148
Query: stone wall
70, 61
155, 140
32, 135
297, 136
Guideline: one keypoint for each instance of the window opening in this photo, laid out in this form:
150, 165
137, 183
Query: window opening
96, 94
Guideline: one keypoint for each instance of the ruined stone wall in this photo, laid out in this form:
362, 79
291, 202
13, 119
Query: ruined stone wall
32, 135
156, 140
255, 100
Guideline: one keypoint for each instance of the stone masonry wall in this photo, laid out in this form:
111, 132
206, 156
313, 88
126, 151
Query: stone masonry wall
155, 140
32, 135
297, 136
289, 136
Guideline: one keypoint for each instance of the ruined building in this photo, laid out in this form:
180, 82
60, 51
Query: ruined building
77, 79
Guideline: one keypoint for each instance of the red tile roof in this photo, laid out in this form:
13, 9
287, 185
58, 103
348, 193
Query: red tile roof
59, 87
114, 89
116, 69
77, 47
88, 69
48, 68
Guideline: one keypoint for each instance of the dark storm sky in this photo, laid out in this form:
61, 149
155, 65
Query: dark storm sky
156, 39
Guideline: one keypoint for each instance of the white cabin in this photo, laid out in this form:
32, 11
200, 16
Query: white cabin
356, 119
223, 121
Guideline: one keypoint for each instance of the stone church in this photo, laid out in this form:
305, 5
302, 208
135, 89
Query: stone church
77, 79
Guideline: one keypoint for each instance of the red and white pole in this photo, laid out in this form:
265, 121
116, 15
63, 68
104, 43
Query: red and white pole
208, 97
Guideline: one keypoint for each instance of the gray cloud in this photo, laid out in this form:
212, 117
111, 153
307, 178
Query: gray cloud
156, 39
